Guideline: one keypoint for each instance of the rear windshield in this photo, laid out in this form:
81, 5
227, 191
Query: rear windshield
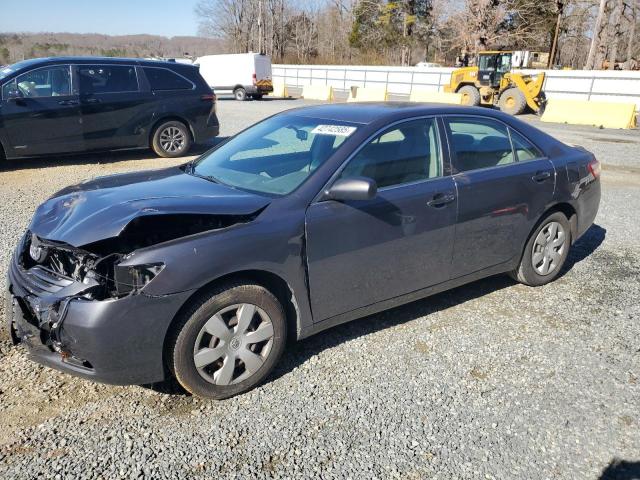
276, 155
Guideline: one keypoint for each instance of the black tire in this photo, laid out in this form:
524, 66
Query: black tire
3, 159
470, 96
512, 101
240, 94
542, 101
187, 335
257, 96
171, 139
526, 273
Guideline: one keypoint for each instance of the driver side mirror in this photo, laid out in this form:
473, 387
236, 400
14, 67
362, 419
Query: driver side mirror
14, 94
354, 188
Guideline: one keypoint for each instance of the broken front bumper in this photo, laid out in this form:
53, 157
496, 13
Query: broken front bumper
118, 340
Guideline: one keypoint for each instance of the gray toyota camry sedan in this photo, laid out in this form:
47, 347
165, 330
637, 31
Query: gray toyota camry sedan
308, 219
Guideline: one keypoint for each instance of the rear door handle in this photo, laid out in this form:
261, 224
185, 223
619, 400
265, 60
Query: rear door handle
441, 199
92, 100
68, 102
541, 176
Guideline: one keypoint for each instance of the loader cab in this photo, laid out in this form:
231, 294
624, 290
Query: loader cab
492, 66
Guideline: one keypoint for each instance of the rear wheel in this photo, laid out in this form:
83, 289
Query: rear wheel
171, 139
470, 96
545, 252
228, 341
512, 101
240, 94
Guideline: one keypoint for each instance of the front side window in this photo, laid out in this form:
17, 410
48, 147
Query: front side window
478, 143
276, 155
43, 82
96, 79
165, 79
405, 153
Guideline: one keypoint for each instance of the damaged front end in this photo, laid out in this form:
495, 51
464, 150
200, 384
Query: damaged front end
47, 275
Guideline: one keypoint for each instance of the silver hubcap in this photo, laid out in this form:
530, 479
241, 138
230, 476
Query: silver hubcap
548, 248
233, 344
172, 139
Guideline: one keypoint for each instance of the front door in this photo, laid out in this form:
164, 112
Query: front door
44, 117
504, 185
363, 252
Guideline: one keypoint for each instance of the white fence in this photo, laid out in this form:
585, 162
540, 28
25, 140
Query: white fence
602, 85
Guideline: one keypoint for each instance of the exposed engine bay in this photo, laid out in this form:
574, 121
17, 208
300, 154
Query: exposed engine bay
97, 265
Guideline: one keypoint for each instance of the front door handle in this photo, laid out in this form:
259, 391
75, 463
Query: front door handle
541, 176
441, 199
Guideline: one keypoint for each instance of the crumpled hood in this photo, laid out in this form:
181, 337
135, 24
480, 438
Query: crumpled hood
101, 208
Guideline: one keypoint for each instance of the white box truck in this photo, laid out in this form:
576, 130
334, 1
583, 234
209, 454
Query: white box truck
243, 74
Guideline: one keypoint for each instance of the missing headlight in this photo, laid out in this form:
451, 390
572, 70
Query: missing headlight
130, 279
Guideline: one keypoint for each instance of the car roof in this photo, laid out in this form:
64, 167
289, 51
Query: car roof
370, 112
103, 60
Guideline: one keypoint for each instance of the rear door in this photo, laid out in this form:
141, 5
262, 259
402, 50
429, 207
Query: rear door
115, 113
363, 252
504, 184
46, 117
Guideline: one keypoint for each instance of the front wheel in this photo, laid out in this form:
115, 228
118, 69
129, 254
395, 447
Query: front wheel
228, 341
545, 251
171, 139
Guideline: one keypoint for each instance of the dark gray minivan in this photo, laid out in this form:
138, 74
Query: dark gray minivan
79, 104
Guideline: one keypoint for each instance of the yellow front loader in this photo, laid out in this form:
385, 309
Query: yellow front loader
491, 82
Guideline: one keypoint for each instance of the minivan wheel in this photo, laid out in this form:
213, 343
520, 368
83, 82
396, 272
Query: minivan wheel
546, 251
228, 341
240, 94
171, 139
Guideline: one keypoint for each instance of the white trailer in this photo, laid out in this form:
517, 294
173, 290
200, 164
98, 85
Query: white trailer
243, 74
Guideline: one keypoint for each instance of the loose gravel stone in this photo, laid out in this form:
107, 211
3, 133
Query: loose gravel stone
491, 380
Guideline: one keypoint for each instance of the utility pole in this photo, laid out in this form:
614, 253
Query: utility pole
260, 28
595, 36
554, 43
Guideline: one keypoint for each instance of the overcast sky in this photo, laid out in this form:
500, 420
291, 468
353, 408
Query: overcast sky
113, 17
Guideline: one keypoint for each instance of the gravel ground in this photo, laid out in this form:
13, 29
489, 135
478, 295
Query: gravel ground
490, 380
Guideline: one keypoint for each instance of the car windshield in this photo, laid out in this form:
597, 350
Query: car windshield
276, 155
9, 69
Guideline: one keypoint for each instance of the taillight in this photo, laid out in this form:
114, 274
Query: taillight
255, 79
208, 97
594, 168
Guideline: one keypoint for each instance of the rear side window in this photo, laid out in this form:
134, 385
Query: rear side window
107, 79
478, 143
165, 79
523, 147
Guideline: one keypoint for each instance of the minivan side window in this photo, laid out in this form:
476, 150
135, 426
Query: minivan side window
478, 143
165, 79
524, 148
52, 81
96, 79
404, 153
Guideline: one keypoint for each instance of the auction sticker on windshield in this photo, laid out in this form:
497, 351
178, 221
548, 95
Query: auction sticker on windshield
336, 130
